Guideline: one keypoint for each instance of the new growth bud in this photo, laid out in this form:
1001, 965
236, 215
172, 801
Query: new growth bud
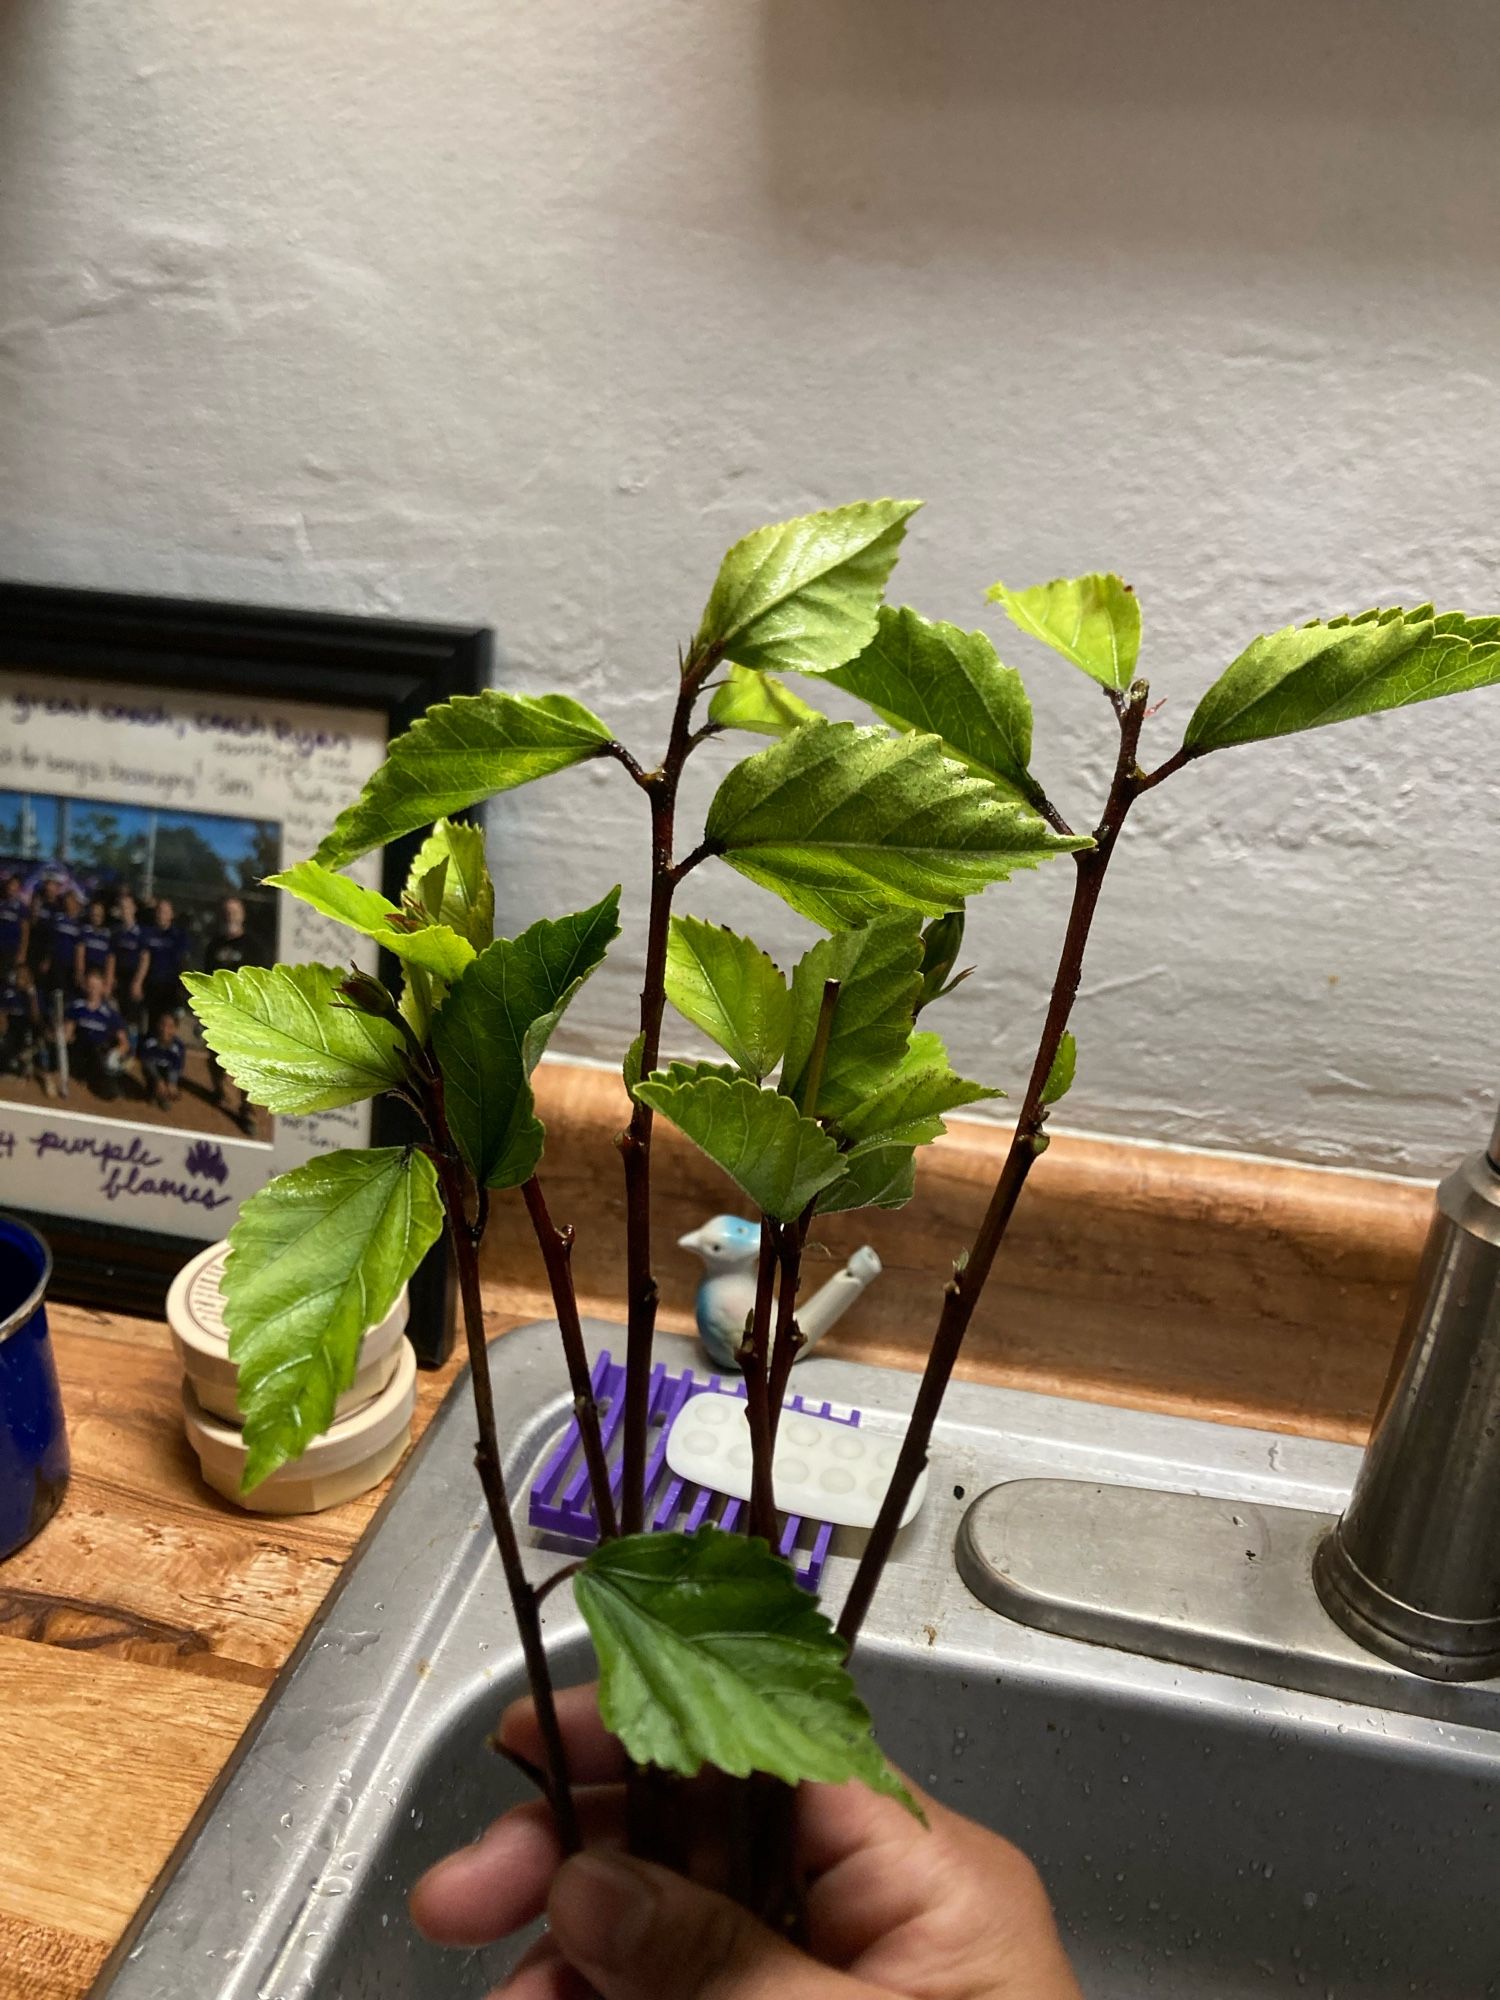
941, 942
365, 994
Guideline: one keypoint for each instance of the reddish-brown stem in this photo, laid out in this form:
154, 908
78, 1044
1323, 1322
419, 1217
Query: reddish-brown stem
558, 1577
635, 1141
961, 1295
523, 1598
1040, 803
791, 1236
1145, 781
760, 1518
701, 852
622, 756
788, 1343
556, 1246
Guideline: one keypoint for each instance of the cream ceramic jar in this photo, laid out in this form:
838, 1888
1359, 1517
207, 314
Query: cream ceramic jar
195, 1313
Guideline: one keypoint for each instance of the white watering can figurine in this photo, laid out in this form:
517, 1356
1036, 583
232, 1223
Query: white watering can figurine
730, 1249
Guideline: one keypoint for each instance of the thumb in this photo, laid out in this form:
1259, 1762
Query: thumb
643, 1933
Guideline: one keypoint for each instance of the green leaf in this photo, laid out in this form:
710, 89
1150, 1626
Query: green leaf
941, 942
425, 890
630, 1069
451, 881
432, 946
1310, 675
495, 1023
759, 703
421, 996
908, 1104
677, 1072
280, 1035
710, 1652
466, 900
800, 596
728, 987
460, 752
919, 674
1094, 621
882, 1173
768, 1149
848, 823
879, 972
1064, 1065
316, 1257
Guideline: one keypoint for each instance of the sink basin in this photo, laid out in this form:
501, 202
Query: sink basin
1202, 1835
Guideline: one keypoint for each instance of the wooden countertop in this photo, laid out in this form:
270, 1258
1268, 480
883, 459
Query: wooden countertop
138, 1633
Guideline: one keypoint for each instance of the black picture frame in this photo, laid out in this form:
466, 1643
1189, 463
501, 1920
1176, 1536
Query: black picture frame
395, 667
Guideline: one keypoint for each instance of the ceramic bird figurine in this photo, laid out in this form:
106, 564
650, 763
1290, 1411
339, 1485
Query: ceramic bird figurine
730, 1249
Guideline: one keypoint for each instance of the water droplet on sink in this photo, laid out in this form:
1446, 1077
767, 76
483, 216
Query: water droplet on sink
335, 1885
286, 1819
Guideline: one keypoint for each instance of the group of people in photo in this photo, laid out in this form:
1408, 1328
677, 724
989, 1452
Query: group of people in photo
91, 988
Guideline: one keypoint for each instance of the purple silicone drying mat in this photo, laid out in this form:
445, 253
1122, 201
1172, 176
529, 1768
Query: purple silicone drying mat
561, 1506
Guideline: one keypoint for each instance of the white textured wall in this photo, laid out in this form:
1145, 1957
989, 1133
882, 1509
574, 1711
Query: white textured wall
520, 310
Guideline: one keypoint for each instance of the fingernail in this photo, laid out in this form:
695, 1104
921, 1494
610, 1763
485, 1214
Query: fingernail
601, 1909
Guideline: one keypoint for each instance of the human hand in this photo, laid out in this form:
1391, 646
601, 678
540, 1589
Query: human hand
946, 1912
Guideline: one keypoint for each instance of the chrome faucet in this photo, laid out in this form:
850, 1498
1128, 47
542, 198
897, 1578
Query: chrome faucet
1412, 1570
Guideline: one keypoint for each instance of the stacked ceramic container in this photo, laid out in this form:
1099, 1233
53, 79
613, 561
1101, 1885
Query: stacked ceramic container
372, 1419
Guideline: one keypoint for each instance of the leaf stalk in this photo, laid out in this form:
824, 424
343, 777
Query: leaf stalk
556, 1246
760, 1518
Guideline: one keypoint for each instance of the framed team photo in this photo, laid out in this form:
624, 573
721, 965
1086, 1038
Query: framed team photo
158, 759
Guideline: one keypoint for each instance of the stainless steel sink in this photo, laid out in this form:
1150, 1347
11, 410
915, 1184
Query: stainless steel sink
1203, 1835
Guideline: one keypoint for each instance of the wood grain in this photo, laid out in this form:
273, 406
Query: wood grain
40, 1963
138, 1633
102, 1763
144, 1562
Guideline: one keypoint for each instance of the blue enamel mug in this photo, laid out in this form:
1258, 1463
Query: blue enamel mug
33, 1440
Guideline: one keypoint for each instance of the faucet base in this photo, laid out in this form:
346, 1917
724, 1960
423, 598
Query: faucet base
1440, 1649
1225, 1585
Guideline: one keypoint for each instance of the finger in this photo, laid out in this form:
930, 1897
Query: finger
484, 1892
643, 1933
594, 1756
870, 1865
543, 1974
950, 1906
835, 1821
